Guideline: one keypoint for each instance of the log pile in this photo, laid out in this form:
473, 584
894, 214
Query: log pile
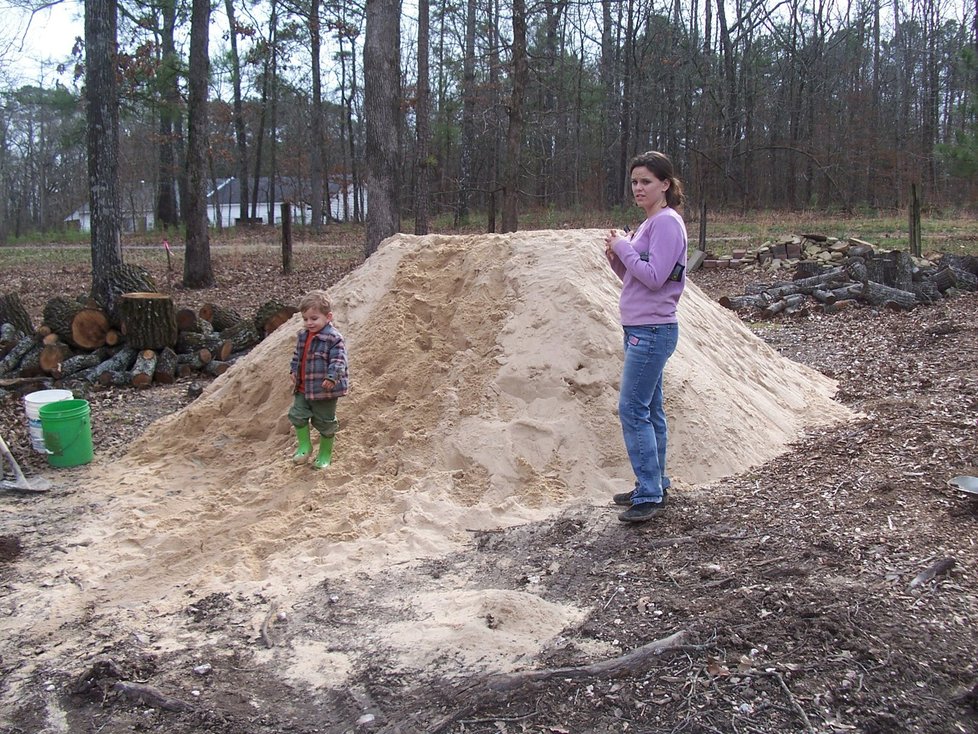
785, 254
140, 339
839, 274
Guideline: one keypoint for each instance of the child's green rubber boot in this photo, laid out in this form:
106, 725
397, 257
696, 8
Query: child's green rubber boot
305, 444
325, 452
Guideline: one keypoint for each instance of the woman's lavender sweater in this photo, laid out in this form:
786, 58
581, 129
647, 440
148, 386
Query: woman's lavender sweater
647, 265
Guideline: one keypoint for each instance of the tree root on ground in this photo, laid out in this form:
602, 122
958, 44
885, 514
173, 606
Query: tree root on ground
495, 686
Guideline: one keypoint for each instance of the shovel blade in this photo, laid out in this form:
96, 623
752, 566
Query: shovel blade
965, 483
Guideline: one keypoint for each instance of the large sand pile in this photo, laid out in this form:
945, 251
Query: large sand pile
484, 373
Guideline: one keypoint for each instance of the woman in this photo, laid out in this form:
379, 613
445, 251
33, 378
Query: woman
651, 265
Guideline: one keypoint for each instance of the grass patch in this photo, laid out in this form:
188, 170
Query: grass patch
954, 232
342, 241
60, 237
54, 255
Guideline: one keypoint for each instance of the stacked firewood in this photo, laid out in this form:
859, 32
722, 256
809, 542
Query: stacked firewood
139, 337
857, 274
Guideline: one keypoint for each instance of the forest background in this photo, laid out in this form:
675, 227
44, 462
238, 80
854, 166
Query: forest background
508, 106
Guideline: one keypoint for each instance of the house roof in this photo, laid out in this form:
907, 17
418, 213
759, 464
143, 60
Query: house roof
228, 192
139, 198
293, 188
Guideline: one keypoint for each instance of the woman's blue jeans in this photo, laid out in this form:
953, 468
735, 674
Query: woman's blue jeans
643, 419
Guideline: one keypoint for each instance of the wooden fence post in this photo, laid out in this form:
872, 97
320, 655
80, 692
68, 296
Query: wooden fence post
915, 246
702, 238
286, 237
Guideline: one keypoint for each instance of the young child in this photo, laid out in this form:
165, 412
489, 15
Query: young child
319, 378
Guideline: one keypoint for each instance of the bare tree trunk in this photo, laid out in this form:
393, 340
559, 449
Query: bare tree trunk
260, 137
240, 135
218, 209
382, 105
101, 93
444, 141
730, 134
514, 140
672, 104
931, 92
902, 112
197, 272
796, 91
422, 189
610, 109
547, 166
315, 39
166, 197
348, 89
358, 207
467, 144
183, 184
578, 147
871, 177
346, 130
626, 96
273, 120
496, 120
974, 23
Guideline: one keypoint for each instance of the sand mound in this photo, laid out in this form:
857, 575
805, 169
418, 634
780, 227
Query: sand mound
484, 373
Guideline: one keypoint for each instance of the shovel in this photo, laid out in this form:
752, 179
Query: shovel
20, 481
965, 483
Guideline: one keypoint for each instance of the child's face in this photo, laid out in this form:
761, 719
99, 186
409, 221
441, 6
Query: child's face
315, 320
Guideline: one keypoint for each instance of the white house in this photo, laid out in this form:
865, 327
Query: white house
139, 213
226, 198
137, 204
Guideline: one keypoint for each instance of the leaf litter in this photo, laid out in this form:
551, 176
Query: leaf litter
792, 581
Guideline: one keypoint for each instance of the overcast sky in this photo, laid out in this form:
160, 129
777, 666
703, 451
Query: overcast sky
31, 48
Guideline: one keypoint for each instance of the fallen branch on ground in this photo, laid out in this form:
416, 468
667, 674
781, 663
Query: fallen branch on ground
936, 569
629, 663
488, 687
104, 674
149, 696
795, 706
268, 625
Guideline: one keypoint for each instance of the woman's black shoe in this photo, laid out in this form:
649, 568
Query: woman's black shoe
642, 512
625, 498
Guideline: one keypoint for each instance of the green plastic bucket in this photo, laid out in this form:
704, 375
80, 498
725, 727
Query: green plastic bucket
67, 429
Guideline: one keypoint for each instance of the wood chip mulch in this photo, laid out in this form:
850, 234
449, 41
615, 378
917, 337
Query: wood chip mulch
829, 590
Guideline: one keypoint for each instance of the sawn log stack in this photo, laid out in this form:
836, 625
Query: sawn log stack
140, 339
839, 274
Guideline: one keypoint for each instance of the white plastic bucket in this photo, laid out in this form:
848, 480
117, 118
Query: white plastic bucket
32, 406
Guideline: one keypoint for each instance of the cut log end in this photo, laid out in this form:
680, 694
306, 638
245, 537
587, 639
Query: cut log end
221, 318
217, 368
52, 356
166, 367
272, 315
187, 320
276, 320
143, 369
89, 328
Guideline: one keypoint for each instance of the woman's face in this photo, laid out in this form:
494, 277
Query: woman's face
649, 191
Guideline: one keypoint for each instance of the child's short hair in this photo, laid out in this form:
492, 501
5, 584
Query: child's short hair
318, 300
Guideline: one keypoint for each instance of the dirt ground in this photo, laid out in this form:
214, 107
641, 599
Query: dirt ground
793, 597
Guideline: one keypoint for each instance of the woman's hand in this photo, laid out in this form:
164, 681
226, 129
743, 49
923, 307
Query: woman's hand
609, 240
